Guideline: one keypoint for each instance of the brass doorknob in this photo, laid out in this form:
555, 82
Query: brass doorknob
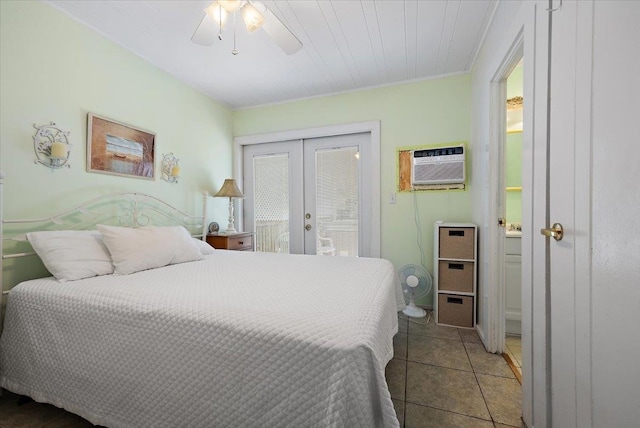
556, 231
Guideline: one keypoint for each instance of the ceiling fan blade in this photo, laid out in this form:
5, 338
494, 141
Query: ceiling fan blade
283, 37
206, 33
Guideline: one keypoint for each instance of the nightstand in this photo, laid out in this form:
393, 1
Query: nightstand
242, 241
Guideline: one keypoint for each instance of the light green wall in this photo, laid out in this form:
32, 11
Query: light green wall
513, 159
53, 68
513, 155
514, 82
426, 112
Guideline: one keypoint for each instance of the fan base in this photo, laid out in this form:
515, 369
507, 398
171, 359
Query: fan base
414, 311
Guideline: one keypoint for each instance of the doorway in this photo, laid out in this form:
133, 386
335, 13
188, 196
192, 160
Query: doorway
313, 195
508, 307
512, 172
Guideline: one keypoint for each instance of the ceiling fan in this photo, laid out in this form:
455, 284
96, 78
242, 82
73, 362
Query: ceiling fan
254, 14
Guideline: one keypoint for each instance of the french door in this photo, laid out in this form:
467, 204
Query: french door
307, 196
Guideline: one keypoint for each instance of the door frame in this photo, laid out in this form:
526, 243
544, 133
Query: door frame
497, 198
530, 39
371, 127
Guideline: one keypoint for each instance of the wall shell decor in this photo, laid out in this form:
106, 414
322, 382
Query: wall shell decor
51, 145
170, 169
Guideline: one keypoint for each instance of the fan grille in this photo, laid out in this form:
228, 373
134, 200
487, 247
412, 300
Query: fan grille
425, 282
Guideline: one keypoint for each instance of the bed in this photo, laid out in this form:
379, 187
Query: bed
228, 339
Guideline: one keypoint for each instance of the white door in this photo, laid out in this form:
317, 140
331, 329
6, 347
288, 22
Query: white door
308, 196
273, 188
334, 200
593, 192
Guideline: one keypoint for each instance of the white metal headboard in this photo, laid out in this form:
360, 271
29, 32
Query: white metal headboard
128, 209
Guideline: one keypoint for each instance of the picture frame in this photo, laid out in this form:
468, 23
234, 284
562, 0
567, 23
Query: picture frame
117, 148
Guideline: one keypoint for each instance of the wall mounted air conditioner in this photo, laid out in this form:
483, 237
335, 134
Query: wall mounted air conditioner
444, 165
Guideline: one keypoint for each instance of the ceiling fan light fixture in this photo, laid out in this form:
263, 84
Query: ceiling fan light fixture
217, 13
253, 19
230, 5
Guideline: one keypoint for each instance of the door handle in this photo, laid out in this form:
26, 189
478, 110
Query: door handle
556, 231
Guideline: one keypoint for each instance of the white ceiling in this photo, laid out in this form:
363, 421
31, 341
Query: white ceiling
348, 44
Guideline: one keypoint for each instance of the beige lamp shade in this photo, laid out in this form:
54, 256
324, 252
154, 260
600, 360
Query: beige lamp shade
229, 190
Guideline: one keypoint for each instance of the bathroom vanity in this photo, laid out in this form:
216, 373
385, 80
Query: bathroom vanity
513, 279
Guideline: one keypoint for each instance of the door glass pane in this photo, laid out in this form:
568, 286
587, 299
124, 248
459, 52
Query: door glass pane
337, 189
271, 184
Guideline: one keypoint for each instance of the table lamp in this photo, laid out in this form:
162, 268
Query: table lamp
230, 190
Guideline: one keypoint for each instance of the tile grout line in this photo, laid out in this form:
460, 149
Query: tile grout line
460, 370
473, 370
453, 413
460, 340
475, 376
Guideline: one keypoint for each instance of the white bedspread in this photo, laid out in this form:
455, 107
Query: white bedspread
240, 339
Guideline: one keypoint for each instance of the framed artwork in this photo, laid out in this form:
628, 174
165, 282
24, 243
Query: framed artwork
119, 149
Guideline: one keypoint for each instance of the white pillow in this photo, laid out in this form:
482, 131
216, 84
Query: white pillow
72, 254
205, 249
148, 247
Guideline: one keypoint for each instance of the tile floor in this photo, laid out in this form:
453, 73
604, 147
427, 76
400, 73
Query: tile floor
443, 377
36, 415
439, 377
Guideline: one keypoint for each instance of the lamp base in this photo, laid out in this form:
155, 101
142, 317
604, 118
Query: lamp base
231, 228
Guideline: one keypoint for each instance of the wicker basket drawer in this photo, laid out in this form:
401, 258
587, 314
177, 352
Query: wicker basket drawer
457, 243
455, 276
455, 310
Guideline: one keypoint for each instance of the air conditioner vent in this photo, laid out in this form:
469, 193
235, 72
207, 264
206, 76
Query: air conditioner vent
444, 165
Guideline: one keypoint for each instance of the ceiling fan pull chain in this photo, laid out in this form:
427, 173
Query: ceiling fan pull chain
234, 51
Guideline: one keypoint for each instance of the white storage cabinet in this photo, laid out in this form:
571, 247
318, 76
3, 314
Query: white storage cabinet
455, 274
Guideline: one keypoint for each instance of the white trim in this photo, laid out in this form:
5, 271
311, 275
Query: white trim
299, 134
529, 34
372, 127
536, 380
497, 141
